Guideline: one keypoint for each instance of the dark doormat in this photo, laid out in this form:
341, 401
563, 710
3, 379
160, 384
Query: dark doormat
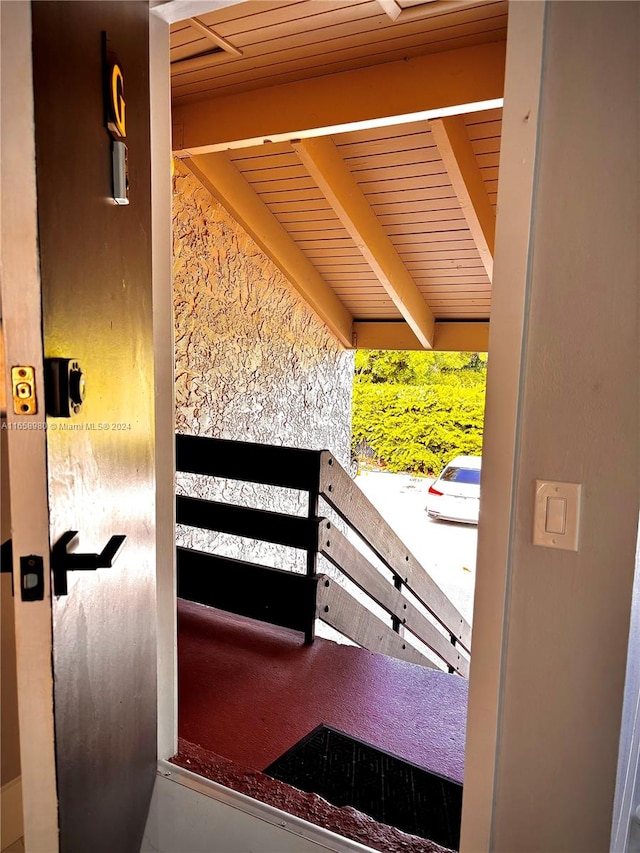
348, 772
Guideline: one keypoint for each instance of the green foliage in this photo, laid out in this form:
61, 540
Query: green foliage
414, 411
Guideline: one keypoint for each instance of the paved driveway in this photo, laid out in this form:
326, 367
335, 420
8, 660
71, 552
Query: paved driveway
446, 549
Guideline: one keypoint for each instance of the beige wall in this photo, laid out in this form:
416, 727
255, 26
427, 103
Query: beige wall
557, 667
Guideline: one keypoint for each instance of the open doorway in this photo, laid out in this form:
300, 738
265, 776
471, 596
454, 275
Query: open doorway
384, 224
563, 793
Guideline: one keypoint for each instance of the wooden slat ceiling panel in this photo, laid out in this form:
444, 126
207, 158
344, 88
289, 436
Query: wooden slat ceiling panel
448, 245
324, 241
362, 143
268, 46
387, 211
196, 47
334, 253
418, 217
485, 131
414, 232
397, 159
452, 283
389, 196
186, 89
291, 15
399, 169
424, 235
336, 30
285, 42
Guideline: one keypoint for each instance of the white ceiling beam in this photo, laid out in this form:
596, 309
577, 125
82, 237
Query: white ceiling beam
457, 336
454, 147
325, 165
225, 183
422, 87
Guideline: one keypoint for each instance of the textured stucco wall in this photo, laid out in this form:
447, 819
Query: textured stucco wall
253, 363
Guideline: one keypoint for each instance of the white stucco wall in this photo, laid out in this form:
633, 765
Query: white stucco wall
253, 362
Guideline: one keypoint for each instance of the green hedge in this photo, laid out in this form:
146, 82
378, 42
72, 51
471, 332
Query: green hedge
414, 411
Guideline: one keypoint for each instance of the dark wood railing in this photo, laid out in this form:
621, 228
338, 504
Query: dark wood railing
295, 600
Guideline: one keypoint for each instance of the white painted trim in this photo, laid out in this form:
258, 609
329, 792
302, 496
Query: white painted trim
22, 324
163, 331
171, 11
11, 812
163, 14
525, 45
262, 811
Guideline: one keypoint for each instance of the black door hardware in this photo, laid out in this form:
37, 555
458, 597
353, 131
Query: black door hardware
6, 556
63, 562
6, 560
31, 572
32, 578
64, 387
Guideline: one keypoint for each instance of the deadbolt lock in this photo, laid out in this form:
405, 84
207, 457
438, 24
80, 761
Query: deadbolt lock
64, 387
23, 382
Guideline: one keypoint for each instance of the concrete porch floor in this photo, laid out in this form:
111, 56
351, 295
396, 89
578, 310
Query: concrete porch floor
249, 691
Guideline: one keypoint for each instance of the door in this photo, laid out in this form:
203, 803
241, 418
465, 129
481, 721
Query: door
95, 274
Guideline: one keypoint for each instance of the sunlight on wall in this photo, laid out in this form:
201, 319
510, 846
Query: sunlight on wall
253, 363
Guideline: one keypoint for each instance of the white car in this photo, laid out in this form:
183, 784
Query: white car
455, 495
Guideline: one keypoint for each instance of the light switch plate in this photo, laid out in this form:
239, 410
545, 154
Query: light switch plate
557, 508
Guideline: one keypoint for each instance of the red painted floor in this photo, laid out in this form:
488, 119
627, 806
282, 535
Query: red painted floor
249, 691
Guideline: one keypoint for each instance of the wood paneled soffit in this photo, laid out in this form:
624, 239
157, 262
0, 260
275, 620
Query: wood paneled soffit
451, 137
448, 83
323, 162
227, 185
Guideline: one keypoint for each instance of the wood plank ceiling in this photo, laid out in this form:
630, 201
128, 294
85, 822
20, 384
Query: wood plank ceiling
358, 142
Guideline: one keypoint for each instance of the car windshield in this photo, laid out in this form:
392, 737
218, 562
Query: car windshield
462, 475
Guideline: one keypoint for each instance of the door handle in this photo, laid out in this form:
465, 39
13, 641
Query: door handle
62, 561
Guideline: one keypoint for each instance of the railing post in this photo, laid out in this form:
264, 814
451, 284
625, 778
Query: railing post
453, 642
312, 515
312, 547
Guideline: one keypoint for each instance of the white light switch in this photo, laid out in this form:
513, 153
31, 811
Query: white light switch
556, 518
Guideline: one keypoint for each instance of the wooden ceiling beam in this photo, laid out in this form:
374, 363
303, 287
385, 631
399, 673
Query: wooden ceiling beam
451, 137
212, 36
329, 171
422, 87
457, 336
225, 183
